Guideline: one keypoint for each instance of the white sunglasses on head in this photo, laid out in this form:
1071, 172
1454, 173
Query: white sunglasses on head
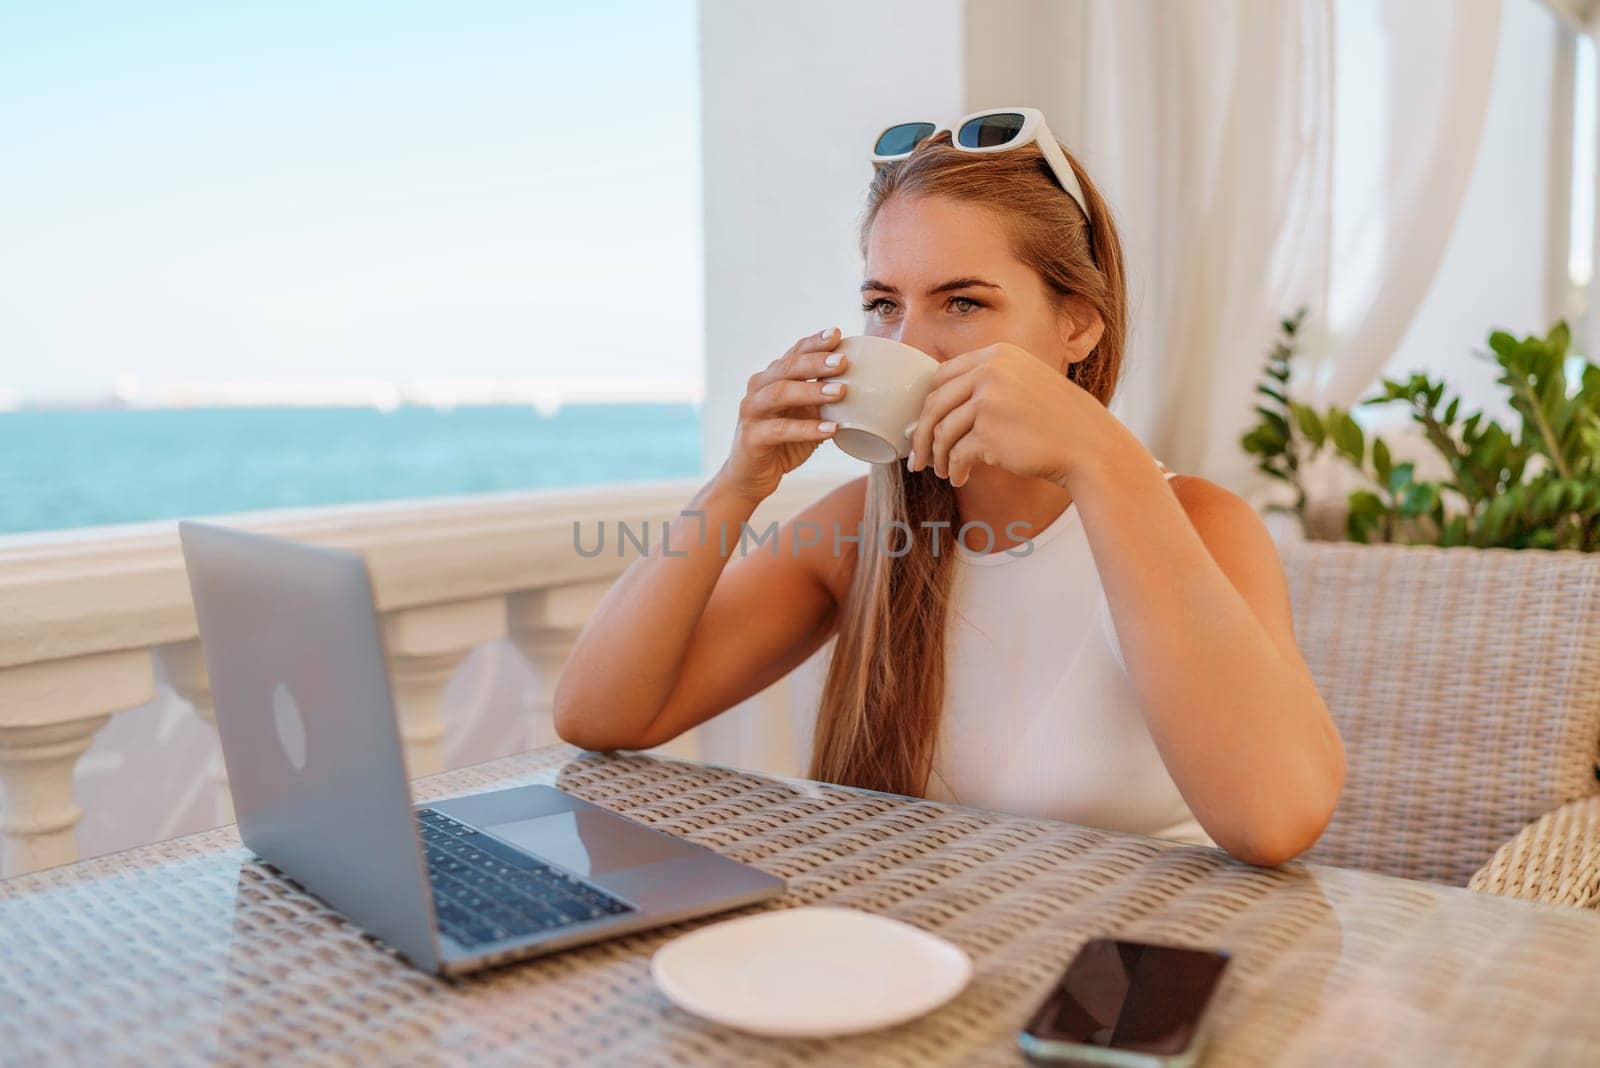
993, 130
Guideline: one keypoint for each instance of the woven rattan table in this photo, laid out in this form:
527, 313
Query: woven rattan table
191, 951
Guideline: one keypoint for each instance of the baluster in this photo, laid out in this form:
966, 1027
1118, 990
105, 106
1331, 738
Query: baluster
426, 645
49, 713
183, 666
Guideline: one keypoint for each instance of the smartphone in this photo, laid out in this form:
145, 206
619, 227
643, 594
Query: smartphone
1129, 1004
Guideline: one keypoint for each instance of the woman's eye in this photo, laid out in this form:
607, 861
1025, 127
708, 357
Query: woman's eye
971, 305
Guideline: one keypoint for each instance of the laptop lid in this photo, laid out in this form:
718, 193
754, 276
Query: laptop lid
308, 728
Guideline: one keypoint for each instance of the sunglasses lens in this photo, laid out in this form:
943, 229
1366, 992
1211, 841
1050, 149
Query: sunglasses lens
991, 130
900, 140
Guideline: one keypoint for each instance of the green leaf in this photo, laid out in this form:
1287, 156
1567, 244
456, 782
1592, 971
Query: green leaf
1531, 483
1275, 420
1380, 460
1348, 439
1367, 503
1271, 437
1419, 499
1495, 517
1559, 338
1308, 422
1366, 514
1548, 501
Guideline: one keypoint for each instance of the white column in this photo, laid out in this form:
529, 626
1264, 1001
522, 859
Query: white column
786, 167
183, 666
1590, 344
426, 645
49, 713
1558, 179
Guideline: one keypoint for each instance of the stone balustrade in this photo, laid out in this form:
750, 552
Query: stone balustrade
87, 616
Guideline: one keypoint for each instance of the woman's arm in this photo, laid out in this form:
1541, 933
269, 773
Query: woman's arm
675, 640
678, 639
1195, 588
1203, 617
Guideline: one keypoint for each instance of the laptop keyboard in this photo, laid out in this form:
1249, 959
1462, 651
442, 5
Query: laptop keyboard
484, 890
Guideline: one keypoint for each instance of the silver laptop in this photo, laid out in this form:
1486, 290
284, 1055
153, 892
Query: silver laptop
312, 747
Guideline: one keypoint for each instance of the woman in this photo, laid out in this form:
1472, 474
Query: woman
1134, 666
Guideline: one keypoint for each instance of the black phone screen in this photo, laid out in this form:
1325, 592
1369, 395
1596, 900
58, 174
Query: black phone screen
1130, 995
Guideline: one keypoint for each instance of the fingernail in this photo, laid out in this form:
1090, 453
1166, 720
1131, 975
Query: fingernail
827, 427
911, 461
832, 389
823, 334
833, 359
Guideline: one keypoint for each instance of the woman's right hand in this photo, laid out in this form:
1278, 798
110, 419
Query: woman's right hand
780, 419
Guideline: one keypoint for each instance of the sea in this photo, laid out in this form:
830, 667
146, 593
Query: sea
91, 467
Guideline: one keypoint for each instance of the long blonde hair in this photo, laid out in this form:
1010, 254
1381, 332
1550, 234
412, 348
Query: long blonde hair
879, 713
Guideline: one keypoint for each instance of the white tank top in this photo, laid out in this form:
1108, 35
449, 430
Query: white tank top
1039, 716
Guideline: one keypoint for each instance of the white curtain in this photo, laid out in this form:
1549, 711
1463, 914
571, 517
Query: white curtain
1418, 137
1248, 180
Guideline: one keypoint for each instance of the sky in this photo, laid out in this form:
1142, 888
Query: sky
304, 192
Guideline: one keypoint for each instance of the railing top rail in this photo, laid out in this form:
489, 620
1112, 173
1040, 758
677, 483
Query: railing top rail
72, 593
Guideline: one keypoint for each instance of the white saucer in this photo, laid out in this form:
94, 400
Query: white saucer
810, 972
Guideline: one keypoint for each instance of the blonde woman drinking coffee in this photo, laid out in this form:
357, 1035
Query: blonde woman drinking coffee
1133, 666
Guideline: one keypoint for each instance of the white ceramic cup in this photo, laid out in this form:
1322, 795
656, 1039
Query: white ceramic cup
885, 385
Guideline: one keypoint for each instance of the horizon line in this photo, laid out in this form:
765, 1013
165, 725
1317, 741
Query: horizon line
543, 394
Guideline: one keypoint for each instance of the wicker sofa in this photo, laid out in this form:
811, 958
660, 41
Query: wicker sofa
1466, 686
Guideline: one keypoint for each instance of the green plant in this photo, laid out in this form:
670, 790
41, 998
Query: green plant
1534, 487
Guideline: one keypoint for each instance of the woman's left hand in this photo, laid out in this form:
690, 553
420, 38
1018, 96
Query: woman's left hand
1003, 406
